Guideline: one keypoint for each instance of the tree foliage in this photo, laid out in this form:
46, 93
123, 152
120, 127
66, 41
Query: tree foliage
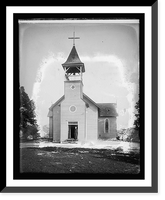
28, 123
137, 115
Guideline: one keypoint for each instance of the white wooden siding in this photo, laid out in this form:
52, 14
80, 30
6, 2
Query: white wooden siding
73, 97
50, 127
112, 133
56, 123
91, 122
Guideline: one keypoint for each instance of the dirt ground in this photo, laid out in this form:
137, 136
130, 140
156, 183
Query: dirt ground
54, 160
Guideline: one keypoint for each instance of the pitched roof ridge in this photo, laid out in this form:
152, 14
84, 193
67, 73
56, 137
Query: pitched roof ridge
58, 101
107, 103
90, 100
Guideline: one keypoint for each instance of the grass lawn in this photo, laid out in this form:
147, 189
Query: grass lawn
54, 160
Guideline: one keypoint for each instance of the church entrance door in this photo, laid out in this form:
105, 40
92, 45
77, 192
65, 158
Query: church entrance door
73, 130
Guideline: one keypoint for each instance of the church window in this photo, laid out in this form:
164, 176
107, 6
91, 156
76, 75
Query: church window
72, 87
72, 108
106, 125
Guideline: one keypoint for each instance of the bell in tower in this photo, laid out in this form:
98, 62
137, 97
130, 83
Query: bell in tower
73, 66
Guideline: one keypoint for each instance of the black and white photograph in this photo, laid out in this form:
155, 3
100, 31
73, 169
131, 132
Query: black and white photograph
79, 98
84, 90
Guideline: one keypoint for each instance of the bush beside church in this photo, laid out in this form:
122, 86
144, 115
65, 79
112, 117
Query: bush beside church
129, 135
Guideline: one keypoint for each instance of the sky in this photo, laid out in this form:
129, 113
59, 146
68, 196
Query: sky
109, 51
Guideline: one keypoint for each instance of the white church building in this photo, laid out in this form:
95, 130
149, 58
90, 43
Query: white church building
75, 116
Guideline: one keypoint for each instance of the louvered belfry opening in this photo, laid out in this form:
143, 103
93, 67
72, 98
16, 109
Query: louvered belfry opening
73, 66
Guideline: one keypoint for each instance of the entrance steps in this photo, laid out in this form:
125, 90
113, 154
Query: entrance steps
70, 141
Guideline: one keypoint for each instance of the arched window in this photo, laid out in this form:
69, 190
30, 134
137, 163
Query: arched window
106, 125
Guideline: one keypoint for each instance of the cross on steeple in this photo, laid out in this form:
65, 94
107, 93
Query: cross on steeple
74, 38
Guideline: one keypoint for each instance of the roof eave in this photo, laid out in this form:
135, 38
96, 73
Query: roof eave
74, 65
101, 115
57, 102
84, 95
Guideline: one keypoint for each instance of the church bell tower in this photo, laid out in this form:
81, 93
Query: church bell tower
73, 66
73, 107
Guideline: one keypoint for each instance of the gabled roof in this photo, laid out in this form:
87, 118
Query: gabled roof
105, 109
57, 102
89, 99
73, 60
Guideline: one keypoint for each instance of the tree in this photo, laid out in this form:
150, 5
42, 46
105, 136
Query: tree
28, 123
137, 115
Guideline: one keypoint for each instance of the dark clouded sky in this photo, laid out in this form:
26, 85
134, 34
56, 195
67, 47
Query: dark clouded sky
110, 52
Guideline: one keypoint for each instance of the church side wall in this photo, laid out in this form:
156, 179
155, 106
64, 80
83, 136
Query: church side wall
50, 127
113, 127
112, 132
91, 122
56, 123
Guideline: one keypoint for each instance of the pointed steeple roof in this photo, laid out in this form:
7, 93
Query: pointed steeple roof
73, 60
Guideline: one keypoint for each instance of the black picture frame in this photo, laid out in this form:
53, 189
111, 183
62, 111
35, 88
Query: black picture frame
154, 186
